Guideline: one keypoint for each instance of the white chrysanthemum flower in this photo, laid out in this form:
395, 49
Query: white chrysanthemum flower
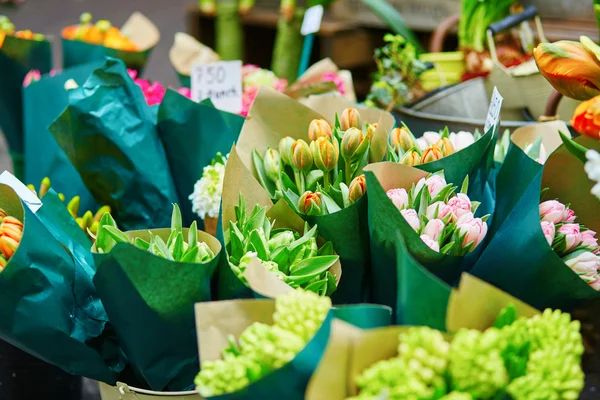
592, 168
206, 198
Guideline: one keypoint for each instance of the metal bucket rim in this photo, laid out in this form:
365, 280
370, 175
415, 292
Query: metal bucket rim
123, 387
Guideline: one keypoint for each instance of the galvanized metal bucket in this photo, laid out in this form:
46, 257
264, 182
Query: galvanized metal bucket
123, 392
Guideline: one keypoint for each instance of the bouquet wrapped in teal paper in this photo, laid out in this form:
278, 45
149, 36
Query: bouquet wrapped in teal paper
108, 132
252, 349
88, 42
20, 52
274, 145
149, 282
47, 290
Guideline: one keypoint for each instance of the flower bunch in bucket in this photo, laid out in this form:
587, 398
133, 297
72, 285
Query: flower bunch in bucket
11, 231
101, 33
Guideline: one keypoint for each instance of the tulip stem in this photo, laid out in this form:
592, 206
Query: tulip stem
299, 177
348, 172
326, 182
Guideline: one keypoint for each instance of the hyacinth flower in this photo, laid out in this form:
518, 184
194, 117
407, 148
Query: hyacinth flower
206, 198
263, 349
294, 257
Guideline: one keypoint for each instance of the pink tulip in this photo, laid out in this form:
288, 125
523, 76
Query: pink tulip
589, 240
568, 215
460, 205
431, 137
412, 218
549, 231
335, 78
473, 229
431, 243
434, 229
399, 197
435, 184
186, 92
572, 235
32, 76
596, 283
461, 140
552, 211
442, 210
584, 264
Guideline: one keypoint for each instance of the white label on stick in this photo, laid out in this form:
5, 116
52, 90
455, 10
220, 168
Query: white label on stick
28, 197
493, 115
312, 20
221, 82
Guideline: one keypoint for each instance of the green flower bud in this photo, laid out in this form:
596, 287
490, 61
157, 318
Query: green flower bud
457, 396
302, 159
270, 346
354, 145
104, 25
425, 352
205, 254
402, 138
307, 250
301, 312
350, 119
325, 153
280, 239
85, 18
272, 164
224, 376
476, 365
285, 150
310, 203
531, 387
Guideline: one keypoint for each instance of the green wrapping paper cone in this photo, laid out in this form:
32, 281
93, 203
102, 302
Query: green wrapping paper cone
43, 101
109, 134
48, 298
216, 320
150, 302
139, 29
531, 270
17, 58
192, 134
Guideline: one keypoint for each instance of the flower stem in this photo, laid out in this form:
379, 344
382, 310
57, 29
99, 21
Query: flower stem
326, 180
299, 178
348, 172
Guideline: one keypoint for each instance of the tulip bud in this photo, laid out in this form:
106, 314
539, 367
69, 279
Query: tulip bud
8, 220
473, 230
549, 230
434, 229
325, 153
585, 119
302, 159
399, 197
584, 263
8, 246
402, 138
350, 119
354, 145
272, 164
412, 218
552, 211
570, 67
310, 203
101, 211
73, 206
61, 197
319, 128
431, 243
432, 153
85, 18
3, 262
44, 187
411, 158
357, 188
12, 231
280, 239
446, 146
285, 150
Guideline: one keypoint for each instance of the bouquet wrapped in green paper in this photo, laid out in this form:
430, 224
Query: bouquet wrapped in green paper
322, 181
547, 219
47, 291
287, 246
264, 349
89, 42
20, 52
435, 219
149, 282
108, 132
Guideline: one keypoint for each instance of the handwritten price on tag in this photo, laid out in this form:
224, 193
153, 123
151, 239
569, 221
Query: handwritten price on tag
493, 115
221, 82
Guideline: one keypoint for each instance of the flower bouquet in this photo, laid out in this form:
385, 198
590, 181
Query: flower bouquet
109, 134
20, 52
149, 281
89, 42
322, 182
253, 349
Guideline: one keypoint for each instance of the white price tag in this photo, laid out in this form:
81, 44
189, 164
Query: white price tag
312, 20
221, 82
28, 197
493, 115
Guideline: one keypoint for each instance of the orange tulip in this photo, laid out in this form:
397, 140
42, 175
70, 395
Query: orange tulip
432, 153
586, 119
572, 68
358, 187
319, 128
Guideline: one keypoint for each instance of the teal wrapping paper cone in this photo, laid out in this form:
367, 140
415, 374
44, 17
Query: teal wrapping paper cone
364, 316
49, 308
108, 132
43, 102
531, 270
17, 58
184, 80
422, 297
139, 29
150, 302
289, 381
192, 134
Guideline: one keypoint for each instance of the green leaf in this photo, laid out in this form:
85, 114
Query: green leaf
255, 220
162, 247
259, 168
288, 183
331, 285
292, 199
141, 243
326, 250
193, 234
506, 316
190, 255
171, 238
330, 204
345, 195
116, 234
281, 257
573, 147
533, 151
260, 245
446, 249
312, 178
178, 247
176, 218
305, 238
236, 241
317, 286
313, 266
465, 185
